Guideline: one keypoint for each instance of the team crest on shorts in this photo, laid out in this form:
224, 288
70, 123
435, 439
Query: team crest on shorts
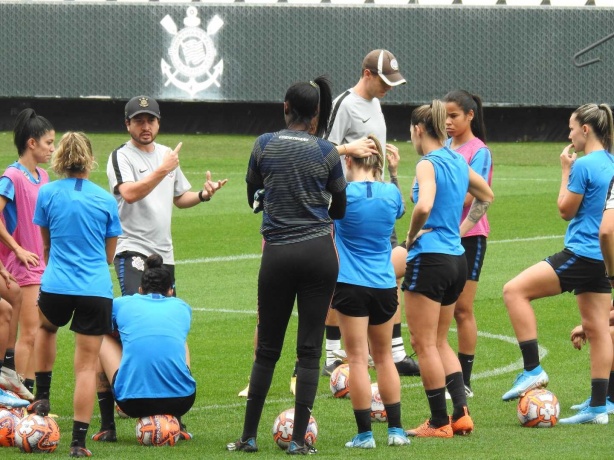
192, 54
138, 263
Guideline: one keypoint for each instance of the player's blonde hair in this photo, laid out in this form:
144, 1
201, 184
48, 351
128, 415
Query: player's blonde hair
374, 162
598, 117
433, 117
73, 155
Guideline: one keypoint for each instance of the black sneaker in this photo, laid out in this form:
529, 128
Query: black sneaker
39, 407
105, 436
328, 370
248, 445
295, 449
184, 434
77, 451
408, 367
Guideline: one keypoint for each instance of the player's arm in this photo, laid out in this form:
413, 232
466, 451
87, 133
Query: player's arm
359, 148
425, 176
132, 192
480, 163
482, 198
568, 202
46, 243
393, 157
110, 246
26, 257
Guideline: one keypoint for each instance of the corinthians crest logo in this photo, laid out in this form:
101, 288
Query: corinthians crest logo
192, 54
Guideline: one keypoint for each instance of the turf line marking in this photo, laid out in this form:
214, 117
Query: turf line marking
208, 260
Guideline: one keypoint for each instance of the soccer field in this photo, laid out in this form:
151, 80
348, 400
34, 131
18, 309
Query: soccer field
217, 247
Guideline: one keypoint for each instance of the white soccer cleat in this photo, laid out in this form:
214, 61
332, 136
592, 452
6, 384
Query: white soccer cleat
10, 380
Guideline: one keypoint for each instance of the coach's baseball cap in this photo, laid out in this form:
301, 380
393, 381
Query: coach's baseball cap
385, 65
142, 104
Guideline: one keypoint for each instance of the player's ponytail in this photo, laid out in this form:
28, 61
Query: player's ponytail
308, 100
73, 155
375, 162
156, 277
433, 118
599, 118
28, 126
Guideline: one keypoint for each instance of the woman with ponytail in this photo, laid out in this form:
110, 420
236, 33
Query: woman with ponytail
304, 190
436, 266
465, 126
79, 224
22, 248
366, 293
579, 267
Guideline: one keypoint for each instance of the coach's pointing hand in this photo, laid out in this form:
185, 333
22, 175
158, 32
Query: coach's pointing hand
170, 160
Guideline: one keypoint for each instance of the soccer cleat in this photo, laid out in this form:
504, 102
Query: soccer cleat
10, 401
293, 384
468, 393
248, 445
328, 370
120, 412
184, 435
397, 437
295, 449
609, 405
426, 430
12, 381
596, 415
39, 407
525, 381
362, 441
407, 367
463, 425
105, 436
77, 451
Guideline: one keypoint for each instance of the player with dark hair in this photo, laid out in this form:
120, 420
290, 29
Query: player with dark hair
366, 294
79, 224
579, 267
22, 248
465, 126
436, 266
304, 190
149, 367
357, 113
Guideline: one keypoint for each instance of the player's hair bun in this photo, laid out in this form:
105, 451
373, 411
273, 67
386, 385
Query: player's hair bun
154, 261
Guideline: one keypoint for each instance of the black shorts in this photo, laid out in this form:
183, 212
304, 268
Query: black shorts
144, 407
475, 249
359, 301
90, 315
440, 277
579, 274
129, 267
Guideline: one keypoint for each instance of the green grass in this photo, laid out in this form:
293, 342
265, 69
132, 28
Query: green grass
223, 295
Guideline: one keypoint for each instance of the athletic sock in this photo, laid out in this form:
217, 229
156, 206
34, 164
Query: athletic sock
599, 390
29, 384
79, 431
106, 403
43, 384
9, 359
437, 404
306, 388
393, 412
456, 388
259, 384
611, 387
333, 343
466, 362
398, 349
530, 354
363, 419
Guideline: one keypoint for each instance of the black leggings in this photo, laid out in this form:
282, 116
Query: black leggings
305, 271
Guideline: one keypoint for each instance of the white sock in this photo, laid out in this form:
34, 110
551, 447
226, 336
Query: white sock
398, 349
331, 345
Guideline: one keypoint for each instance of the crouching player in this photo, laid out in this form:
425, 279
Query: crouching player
149, 367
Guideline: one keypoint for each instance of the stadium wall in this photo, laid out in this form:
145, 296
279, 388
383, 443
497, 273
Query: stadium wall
225, 67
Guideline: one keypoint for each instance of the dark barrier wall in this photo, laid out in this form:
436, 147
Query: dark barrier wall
512, 56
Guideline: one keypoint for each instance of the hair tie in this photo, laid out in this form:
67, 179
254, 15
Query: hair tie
314, 84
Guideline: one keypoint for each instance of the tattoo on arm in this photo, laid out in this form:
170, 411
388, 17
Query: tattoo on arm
477, 210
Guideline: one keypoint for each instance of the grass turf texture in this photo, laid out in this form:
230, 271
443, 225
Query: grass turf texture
217, 246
